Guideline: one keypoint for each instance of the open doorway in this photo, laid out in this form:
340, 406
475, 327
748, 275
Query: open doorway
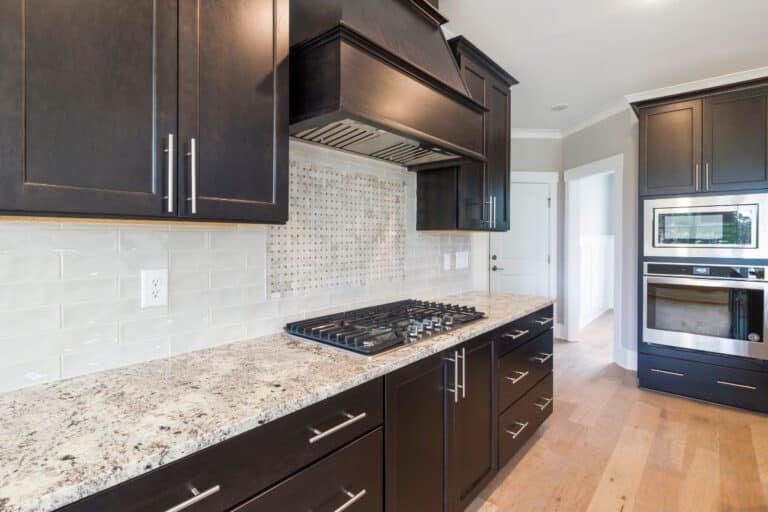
593, 241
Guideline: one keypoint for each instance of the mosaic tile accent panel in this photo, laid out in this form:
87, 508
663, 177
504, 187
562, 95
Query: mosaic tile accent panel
346, 228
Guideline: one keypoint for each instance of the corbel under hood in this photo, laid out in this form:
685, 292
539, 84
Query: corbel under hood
377, 77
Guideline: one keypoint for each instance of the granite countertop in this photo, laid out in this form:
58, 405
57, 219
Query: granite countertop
63, 441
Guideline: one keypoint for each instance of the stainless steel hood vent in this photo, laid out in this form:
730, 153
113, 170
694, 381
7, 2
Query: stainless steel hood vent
377, 78
359, 138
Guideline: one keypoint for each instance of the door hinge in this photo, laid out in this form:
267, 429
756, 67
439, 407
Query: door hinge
549, 202
549, 259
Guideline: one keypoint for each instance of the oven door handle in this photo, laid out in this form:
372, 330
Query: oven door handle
707, 282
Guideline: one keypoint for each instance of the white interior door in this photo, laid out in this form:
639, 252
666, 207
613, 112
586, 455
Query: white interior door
521, 257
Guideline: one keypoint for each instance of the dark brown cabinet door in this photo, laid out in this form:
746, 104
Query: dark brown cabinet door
497, 152
736, 140
233, 102
414, 437
470, 447
87, 103
670, 148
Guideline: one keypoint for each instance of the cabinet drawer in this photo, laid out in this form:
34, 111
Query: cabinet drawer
251, 462
518, 423
720, 384
516, 333
520, 369
350, 479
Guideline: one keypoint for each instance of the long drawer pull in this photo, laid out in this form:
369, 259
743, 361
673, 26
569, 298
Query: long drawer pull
518, 333
197, 497
734, 385
543, 357
319, 434
353, 498
520, 376
519, 431
546, 403
543, 321
667, 372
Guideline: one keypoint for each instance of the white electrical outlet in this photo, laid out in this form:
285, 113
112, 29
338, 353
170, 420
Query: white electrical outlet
154, 288
462, 260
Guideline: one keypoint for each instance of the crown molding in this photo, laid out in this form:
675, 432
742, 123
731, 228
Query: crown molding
596, 118
697, 85
535, 133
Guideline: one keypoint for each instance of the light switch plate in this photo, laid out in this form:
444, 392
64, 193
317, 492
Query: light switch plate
447, 261
154, 288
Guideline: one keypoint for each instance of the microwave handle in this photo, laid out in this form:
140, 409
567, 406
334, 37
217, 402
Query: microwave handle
697, 177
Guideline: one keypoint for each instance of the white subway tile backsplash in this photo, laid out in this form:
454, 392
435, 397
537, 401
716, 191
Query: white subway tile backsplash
28, 373
24, 267
69, 293
15, 322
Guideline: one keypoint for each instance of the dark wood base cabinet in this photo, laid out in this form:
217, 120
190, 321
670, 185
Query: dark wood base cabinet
719, 384
426, 438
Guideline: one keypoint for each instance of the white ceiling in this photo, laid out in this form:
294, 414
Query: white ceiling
591, 53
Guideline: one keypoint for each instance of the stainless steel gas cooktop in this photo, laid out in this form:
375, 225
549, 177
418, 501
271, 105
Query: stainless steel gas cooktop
376, 329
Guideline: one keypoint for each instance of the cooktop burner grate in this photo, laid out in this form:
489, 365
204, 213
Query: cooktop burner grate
376, 329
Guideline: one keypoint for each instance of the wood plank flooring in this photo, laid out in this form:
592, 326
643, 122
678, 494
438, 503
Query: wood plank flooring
610, 446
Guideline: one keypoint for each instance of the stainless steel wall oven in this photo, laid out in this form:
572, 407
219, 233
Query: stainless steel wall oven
713, 308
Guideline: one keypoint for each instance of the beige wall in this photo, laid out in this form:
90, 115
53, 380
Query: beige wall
536, 155
615, 135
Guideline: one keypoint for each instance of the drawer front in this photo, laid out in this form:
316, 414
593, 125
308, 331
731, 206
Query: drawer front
350, 479
720, 384
520, 331
518, 423
243, 466
520, 369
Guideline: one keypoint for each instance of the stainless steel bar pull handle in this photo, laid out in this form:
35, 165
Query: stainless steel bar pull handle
667, 372
543, 357
320, 434
734, 385
197, 497
353, 498
518, 333
546, 403
520, 376
193, 174
706, 176
464, 372
493, 211
170, 151
515, 433
543, 321
696, 177
456, 385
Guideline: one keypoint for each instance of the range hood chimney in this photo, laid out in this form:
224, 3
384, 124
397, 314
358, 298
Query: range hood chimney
377, 77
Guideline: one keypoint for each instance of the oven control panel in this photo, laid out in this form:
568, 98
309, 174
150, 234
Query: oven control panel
711, 271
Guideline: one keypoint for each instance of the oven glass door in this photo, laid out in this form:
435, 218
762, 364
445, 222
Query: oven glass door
707, 226
722, 316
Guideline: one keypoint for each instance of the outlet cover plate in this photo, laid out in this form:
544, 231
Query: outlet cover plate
154, 288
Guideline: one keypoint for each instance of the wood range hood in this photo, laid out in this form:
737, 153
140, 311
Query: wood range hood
377, 77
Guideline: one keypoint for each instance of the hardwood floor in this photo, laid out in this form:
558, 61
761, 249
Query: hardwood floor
610, 446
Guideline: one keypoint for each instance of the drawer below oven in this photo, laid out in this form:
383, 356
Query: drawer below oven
719, 384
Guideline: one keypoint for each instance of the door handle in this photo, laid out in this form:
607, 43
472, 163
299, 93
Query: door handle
319, 434
197, 497
518, 333
193, 174
464, 372
515, 433
456, 385
169, 150
495, 268
520, 376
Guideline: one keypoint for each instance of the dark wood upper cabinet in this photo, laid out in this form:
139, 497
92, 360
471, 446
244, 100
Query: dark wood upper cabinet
736, 140
670, 148
711, 141
233, 103
414, 437
101, 101
471, 422
479, 192
88, 102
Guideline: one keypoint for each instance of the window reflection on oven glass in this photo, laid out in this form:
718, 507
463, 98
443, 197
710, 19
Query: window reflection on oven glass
721, 312
712, 228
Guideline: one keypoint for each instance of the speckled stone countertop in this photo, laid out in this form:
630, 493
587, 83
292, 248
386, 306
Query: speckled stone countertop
63, 441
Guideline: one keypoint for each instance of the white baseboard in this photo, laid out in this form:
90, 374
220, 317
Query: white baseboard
560, 331
626, 358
